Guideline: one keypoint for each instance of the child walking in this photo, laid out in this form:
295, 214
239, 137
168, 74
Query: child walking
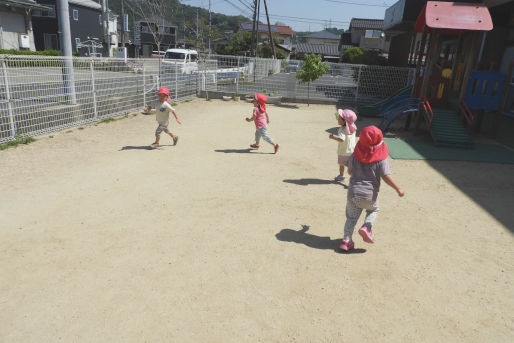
261, 119
346, 138
366, 167
163, 115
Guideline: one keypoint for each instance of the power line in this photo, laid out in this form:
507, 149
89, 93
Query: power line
358, 4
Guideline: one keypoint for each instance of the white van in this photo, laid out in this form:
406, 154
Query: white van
184, 59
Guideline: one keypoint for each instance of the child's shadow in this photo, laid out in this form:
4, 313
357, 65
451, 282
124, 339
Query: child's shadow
241, 151
313, 241
136, 147
311, 181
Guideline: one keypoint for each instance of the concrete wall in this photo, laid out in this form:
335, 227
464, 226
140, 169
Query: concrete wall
13, 23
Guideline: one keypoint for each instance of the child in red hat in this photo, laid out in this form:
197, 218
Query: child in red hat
261, 119
367, 166
162, 116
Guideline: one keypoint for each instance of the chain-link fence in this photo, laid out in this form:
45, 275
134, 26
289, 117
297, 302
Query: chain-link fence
44, 94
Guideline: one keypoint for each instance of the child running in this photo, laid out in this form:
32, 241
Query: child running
346, 138
163, 115
261, 119
366, 166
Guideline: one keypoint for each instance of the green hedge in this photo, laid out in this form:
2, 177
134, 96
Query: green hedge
34, 53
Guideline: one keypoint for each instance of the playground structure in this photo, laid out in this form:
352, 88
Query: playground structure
452, 96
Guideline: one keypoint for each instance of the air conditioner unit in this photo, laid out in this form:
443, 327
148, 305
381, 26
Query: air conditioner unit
24, 41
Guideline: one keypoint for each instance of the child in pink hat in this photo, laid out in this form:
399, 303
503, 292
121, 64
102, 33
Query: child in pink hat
162, 115
367, 166
346, 138
261, 119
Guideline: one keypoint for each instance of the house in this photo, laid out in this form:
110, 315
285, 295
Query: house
368, 34
85, 25
284, 34
16, 30
328, 52
154, 34
322, 37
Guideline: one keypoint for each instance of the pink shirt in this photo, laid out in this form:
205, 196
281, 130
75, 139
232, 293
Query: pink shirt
260, 118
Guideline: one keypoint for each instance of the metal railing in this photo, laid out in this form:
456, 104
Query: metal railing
41, 94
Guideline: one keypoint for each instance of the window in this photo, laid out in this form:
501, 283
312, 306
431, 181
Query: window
50, 41
100, 19
373, 34
77, 42
45, 13
75, 14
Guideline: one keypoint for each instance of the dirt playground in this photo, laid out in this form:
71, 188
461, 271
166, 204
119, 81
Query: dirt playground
104, 240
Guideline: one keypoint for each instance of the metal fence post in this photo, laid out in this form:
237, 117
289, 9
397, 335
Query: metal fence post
95, 107
144, 86
176, 84
358, 84
12, 124
238, 74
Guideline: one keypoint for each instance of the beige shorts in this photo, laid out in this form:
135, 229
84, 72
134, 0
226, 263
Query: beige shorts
342, 159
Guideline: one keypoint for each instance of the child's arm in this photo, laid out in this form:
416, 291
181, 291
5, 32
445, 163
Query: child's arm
389, 180
176, 117
331, 136
267, 118
251, 119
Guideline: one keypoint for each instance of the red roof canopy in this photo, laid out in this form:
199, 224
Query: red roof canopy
453, 17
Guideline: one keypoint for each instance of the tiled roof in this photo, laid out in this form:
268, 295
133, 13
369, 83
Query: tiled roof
280, 29
23, 4
323, 49
285, 30
322, 35
372, 24
86, 3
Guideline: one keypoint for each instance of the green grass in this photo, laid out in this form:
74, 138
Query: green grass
107, 120
19, 140
81, 128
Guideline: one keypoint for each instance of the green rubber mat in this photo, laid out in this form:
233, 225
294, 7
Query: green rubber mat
426, 150
447, 130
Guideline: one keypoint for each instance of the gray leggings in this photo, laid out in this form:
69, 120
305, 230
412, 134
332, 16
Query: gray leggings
354, 207
263, 132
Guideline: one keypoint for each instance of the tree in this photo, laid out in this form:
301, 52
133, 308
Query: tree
153, 13
312, 69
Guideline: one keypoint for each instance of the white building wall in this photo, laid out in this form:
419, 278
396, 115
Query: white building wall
12, 24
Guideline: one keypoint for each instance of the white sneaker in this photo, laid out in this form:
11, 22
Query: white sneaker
339, 178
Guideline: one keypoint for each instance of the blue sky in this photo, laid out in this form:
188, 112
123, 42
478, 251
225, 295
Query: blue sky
303, 15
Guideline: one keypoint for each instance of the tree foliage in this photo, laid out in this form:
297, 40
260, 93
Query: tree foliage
312, 69
357, 55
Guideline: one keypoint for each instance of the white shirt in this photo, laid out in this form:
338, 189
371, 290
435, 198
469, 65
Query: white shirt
162, 114
345, 147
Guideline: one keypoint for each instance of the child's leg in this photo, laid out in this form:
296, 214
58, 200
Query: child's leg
372, 210
266, 137
258, 135
158, 131
341, 169
157, 139
353, 213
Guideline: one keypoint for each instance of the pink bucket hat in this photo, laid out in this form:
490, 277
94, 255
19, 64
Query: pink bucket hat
261, 99
163, 90
371, 146
350, 118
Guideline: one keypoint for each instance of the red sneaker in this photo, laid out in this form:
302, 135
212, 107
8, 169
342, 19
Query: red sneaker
276, 147
366, 234
346, 245
254, 146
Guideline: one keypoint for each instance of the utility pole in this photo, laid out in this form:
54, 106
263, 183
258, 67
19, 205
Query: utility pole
197, 35
253, 26
65, 38
105, 22
269, 31
123, 23
257, 31
210, 30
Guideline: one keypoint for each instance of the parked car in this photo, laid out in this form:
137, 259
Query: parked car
292, 67
158, 54
183, 60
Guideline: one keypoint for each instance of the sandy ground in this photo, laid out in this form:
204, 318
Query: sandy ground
103, 240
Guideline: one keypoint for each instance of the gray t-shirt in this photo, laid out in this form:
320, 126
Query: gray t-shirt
365, 179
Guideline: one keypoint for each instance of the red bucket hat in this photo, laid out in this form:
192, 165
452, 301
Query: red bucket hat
261, 99
163, 90
371, 146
